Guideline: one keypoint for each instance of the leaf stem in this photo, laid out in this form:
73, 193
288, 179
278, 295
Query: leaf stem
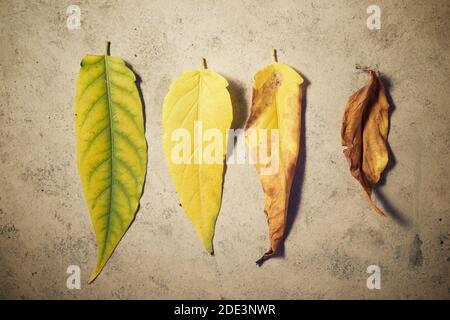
107, 44
274, 55
203, 64
365, 69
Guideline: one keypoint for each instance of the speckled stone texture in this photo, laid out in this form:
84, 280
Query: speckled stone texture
332, 236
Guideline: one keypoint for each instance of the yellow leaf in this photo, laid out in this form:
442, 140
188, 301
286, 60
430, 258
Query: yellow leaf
364, 134
197, 113
273, 138
111, 148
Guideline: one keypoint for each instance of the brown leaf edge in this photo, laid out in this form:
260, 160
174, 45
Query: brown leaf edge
369, 94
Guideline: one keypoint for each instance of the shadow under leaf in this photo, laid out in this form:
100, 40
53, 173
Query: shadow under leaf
386, 203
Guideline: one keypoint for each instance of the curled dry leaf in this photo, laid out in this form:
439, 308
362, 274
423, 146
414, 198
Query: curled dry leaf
197, 108
273, 137
111, 148
364, 134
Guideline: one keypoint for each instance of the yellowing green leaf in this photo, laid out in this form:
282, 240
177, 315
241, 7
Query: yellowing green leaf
198, 102
276, 108
111, 148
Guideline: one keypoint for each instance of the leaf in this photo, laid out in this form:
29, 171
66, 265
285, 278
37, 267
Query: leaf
111, 148
197, 97
364, 134
276, 107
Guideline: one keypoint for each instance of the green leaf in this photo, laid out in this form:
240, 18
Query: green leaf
111, 148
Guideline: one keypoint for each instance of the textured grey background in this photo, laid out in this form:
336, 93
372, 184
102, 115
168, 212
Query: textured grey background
334, 236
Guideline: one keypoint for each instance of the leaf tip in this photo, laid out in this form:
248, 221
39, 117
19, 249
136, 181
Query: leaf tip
259, 262
265, 256
209, 248
373, 205
98, 270
93, 277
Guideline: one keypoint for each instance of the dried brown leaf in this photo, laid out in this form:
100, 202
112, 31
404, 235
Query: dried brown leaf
364, 135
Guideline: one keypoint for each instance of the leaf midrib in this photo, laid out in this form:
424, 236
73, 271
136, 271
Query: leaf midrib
111, 138
201, 161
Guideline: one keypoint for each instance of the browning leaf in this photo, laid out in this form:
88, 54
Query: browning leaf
273, 129
364, 134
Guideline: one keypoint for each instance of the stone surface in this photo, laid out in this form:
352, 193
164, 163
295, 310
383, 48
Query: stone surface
333, 236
